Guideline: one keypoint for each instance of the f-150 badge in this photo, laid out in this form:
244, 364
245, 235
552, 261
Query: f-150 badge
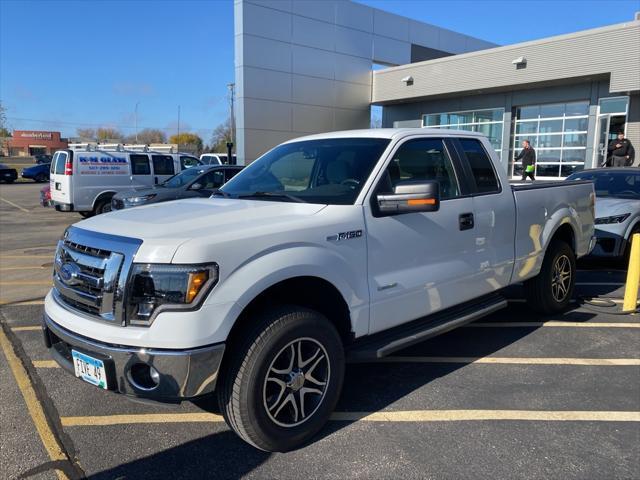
345, 236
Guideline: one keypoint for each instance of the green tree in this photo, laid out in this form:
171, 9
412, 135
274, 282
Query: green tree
220, 136
187, 142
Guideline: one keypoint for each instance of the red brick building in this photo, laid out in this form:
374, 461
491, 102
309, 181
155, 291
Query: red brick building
33, 142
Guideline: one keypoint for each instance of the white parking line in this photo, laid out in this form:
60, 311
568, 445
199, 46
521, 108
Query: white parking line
14, 205
554, 324
592, 362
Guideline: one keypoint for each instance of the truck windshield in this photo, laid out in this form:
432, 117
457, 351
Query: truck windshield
328, 171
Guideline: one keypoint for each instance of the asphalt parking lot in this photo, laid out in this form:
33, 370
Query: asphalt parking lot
511, 396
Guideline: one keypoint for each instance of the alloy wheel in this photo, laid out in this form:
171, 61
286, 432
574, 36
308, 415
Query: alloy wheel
561, 278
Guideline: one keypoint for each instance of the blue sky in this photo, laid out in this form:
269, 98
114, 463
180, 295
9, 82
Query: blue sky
68, 64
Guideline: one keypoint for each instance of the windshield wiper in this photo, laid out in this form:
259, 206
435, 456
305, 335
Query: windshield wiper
291, 198
221, 193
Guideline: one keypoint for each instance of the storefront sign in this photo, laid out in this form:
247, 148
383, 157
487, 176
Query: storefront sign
37, 135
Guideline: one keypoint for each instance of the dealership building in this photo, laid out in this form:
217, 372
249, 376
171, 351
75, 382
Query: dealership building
33, 142
315, 66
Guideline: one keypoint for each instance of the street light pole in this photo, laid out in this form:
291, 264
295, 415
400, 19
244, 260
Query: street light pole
136, 117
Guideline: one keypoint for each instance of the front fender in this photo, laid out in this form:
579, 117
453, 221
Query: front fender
262, 271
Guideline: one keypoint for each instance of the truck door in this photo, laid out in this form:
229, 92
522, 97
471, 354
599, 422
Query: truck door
422, 262
140, 170
163, 168
61, 176
494, 212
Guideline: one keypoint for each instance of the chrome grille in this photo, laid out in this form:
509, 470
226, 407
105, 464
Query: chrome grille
90, 271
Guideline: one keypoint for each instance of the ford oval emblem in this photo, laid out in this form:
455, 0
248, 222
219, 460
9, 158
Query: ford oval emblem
69, 273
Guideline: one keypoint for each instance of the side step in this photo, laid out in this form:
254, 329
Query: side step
386, 342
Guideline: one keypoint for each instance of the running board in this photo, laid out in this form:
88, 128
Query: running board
386, 342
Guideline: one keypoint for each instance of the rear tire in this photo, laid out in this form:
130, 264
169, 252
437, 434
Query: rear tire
283, 379
552, 289
41, 178
103, 206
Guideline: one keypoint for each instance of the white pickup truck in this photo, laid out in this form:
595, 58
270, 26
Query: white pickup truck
343, 245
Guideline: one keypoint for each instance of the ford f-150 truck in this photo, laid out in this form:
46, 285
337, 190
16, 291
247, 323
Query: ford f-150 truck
329, 247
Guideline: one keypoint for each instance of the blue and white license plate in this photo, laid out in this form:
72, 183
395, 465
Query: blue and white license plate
89, 369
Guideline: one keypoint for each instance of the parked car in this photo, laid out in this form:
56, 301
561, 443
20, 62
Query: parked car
38, 173
617, 208
42, 158
85, 180
341, 245
8, 174
216, 159
193, 182
45, 196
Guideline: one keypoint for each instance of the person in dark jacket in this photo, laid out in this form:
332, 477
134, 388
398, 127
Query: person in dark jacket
528, 157
621, 150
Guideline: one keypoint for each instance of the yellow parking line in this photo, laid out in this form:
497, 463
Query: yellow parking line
555, 324
34, 407
95, 421
26, 256
393, 416
7, 269
27, 282
21, 302
479, 415
593, 362
14, 205
45, 364
29, 328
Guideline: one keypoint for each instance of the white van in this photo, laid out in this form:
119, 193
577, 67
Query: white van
215, 159
84, 179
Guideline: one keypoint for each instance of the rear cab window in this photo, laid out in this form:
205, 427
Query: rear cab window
482, 168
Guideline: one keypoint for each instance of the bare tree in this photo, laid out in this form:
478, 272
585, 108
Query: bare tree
147, 136
86, 133
107, 134
220, 136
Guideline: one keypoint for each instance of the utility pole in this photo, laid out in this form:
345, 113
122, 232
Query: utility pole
178, 136
232, 123
136, 117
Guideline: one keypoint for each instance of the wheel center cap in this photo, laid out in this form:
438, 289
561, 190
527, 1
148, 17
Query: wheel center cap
296, 380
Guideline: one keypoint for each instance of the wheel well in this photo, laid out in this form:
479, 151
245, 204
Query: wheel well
566, 234
310, 292
101, 197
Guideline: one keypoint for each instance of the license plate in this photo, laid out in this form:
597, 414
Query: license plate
89, 369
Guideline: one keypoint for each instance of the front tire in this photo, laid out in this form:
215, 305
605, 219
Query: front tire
552, 289
103, 206
282, 382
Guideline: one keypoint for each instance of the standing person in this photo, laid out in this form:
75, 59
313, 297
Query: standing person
528, 157
620, 150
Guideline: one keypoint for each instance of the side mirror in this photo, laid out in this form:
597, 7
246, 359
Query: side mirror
196, 186
411, 196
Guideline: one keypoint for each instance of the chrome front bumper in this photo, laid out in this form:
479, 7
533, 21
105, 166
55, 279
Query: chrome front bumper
182, 374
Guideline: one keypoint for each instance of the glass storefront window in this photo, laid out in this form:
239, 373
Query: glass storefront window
614, 105
558, 132
489, 122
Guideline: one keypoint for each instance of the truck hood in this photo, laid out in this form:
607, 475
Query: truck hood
163, 227
609, 206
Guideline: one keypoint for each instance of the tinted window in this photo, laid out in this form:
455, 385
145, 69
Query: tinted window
140, 165
186, 162
481, 166
327, 171
183, 178
421, 160
162, 164
231, 172
212, 180
612, 184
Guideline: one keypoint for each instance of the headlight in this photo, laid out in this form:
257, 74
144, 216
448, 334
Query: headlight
613, 219
154, 288
133, 201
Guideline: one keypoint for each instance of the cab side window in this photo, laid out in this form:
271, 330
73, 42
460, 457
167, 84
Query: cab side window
422, 160
481, 166
212, 180
163, 165
140, 165
186, 162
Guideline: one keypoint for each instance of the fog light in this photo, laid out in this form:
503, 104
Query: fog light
143, 376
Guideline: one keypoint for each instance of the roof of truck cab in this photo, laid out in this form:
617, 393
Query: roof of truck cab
390, 133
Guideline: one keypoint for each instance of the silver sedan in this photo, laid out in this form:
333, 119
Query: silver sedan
617, 208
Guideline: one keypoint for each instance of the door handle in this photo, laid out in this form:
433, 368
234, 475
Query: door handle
465, 221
